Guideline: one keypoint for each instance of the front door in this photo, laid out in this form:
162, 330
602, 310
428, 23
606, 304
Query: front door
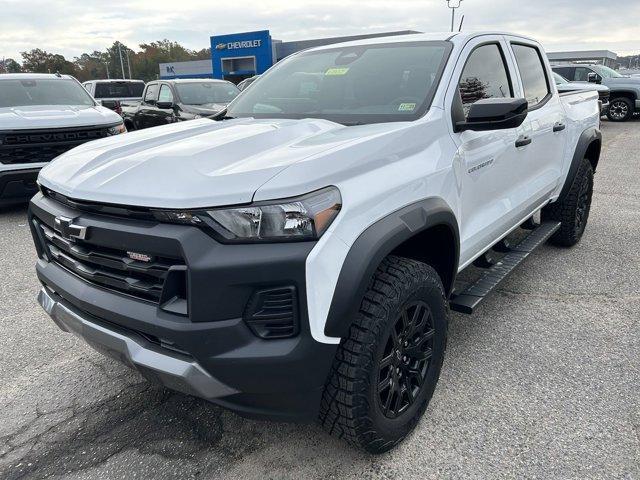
487, 162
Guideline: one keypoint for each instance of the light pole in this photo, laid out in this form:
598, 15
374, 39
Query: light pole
453, 4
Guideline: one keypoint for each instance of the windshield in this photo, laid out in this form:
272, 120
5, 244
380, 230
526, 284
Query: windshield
206, 92
559, 79
606, 72
350, 85
49, 91
119, 89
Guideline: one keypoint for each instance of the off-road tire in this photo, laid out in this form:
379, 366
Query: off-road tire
351, 408
573, 210
620, 109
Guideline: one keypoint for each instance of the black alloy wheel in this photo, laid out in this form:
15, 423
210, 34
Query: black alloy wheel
406, 359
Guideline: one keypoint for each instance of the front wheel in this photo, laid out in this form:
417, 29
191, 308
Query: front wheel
386, 370
620, 109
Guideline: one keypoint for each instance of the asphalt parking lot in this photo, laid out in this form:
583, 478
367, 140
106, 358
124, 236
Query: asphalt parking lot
543, 382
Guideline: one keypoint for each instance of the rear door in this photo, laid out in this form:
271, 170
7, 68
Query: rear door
488, 162
541, 160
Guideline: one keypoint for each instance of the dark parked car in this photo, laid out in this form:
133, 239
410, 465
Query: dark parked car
169, 101
114, 92
625, 91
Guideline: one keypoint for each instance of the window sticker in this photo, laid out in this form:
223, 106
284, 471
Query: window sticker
406, 107
334, 72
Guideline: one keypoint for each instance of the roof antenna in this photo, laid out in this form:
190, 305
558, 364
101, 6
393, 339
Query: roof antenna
58, 74
461, 22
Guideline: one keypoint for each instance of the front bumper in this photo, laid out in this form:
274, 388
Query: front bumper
17, 186
171, 370
210, 350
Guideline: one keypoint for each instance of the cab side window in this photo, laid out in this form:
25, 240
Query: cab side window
151, 94
484, 76
566, 72
582, 74
165, 94
532, 72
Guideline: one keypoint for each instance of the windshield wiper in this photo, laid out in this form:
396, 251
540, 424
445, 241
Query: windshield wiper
222, 115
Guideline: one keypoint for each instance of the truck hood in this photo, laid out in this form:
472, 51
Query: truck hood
194, 164
55, 116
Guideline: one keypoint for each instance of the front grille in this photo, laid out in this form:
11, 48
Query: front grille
273, 313
111, 268
34, 146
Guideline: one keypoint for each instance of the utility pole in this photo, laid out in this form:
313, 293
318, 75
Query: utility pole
126, 52
453, 4
121, 63
106, 66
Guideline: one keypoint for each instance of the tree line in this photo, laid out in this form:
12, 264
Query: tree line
141, 64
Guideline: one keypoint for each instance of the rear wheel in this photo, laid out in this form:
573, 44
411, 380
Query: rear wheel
573, 210
620, 109
386, 370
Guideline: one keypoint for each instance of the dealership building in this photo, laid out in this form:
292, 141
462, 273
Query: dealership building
241, 55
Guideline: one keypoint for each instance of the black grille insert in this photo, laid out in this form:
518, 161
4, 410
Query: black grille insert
35, 146
273, 313
111, 268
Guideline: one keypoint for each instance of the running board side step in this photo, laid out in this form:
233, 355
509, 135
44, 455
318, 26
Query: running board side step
469, 299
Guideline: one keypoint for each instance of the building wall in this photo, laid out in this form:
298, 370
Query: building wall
193, 69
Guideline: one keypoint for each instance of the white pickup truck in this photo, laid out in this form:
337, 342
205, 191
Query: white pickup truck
41, 117
296, 259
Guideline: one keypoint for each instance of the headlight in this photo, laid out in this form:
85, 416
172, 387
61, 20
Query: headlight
301, 218
117, 129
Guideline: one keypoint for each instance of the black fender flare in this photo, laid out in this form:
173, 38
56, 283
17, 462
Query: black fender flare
373, 245
587, 137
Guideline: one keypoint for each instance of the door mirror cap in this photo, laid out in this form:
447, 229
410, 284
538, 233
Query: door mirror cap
495, 114
592, 77
164, 104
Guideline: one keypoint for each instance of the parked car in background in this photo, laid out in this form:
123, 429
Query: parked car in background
625, 91
41, 117
565, 86
113, 93
297, 258
170, 101
247, 81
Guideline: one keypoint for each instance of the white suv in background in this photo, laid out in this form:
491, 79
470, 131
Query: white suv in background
41, 117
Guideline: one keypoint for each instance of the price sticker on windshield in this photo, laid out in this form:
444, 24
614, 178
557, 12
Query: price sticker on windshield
406, 107
334, 72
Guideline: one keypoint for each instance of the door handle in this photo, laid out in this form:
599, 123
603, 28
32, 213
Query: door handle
523, 141
558, 127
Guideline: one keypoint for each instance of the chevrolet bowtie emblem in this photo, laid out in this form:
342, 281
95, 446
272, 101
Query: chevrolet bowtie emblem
65, 227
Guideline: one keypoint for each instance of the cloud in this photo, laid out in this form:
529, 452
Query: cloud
74, 27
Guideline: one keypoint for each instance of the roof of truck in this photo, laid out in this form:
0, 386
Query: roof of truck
192, 80
455, 37
31, 76
115, 80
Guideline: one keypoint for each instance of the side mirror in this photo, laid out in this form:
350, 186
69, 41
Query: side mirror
164, 104
593, 77
494, 114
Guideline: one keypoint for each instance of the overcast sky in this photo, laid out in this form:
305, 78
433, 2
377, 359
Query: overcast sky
74, 27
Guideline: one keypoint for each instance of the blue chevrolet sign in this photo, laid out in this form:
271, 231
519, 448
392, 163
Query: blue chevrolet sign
241, 55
